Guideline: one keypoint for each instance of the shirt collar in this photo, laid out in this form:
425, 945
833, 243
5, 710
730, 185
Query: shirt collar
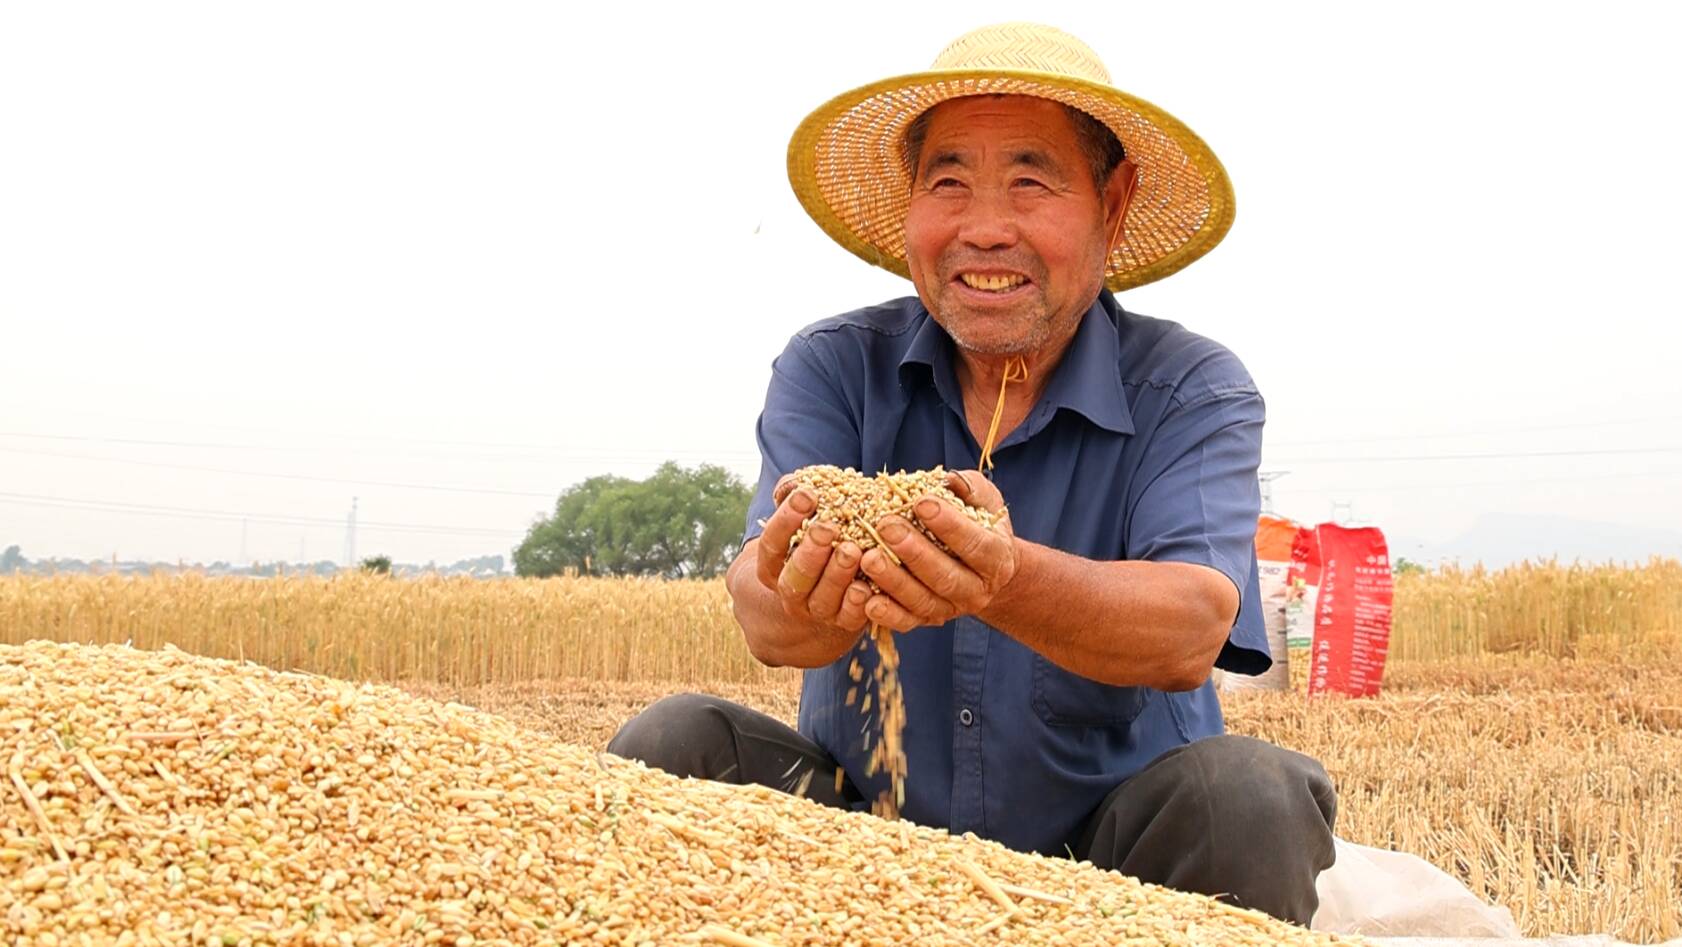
1087, 380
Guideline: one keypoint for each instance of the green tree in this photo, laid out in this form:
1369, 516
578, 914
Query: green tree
580, 535
378, 565
11, 560
677, 523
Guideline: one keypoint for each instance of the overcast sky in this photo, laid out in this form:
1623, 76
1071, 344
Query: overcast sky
258, 259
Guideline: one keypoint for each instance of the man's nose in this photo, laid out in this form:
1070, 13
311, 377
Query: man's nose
988, 221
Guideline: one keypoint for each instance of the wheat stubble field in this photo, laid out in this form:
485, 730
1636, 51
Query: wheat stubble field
1529, 740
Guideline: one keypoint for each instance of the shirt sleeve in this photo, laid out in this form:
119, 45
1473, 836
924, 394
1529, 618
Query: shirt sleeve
806, 421
1199, 502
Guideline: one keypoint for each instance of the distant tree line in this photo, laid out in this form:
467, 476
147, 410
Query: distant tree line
678, 523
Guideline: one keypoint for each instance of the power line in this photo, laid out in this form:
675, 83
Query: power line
1503, 455
1490, 433
575, 451
282, 476
1389, 488
282, 519
150, 443
451, 488
276, 519
362, 438
350, 535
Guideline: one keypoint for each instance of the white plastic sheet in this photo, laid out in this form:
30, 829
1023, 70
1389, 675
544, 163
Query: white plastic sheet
1592, 941
1378, 892
1401, 900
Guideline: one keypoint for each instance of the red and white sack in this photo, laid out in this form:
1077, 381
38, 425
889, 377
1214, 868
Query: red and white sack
1302, 588
1351, 611
1274, 538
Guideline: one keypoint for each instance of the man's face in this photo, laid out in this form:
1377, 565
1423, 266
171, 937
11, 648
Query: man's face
1005, 235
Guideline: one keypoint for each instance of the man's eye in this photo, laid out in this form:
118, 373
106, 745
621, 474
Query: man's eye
945, 183
1028, 182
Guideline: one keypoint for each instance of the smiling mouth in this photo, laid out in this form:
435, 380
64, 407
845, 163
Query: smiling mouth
992, 283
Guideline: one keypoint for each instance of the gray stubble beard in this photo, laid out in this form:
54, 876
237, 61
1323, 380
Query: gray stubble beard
1037, 336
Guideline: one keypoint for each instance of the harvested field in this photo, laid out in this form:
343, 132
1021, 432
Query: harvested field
1551, 787
588, 713
1539, 768
159, 798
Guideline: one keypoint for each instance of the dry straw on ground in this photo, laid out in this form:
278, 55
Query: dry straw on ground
1548, 786
157, 798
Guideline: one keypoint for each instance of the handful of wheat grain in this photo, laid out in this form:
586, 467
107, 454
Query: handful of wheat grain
853, 503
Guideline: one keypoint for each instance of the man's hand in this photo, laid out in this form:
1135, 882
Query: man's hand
932, 586
817, 582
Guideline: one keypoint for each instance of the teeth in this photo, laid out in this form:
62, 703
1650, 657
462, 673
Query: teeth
994, 284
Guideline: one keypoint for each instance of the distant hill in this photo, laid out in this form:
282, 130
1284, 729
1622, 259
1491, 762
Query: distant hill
12, 561
1499, 539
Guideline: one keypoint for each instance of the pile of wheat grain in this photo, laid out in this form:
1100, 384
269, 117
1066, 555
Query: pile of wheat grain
853, 503
162, 798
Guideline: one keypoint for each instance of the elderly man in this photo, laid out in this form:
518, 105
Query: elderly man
1056, 671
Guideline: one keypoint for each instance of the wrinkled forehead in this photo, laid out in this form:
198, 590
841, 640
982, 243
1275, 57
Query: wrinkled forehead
992, 120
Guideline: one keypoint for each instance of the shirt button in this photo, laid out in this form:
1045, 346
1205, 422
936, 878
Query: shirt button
965, 717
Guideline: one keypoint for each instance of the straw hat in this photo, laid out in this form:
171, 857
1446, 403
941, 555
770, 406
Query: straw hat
847, 165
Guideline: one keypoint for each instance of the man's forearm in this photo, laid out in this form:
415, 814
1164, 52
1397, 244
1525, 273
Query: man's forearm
773, 636
1128, 623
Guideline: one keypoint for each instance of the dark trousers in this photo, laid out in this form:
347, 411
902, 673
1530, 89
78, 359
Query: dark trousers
1229, 816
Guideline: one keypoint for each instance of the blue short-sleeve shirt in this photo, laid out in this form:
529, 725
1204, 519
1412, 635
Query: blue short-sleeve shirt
1145, 445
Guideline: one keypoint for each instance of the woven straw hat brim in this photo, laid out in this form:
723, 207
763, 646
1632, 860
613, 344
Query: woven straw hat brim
847, 167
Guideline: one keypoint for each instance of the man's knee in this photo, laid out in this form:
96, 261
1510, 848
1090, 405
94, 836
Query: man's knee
1263, 804
1251, 781
1252, 823
683, 734
1253, 774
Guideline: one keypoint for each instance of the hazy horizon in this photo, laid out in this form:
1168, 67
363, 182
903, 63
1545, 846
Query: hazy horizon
450, 260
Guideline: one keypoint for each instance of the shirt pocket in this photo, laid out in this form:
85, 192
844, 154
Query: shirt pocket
1065, 699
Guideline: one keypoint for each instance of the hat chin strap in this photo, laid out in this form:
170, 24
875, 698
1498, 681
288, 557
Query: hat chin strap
1015, 370
1131, 184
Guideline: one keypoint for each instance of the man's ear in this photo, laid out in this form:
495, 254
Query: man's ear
1118, 196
